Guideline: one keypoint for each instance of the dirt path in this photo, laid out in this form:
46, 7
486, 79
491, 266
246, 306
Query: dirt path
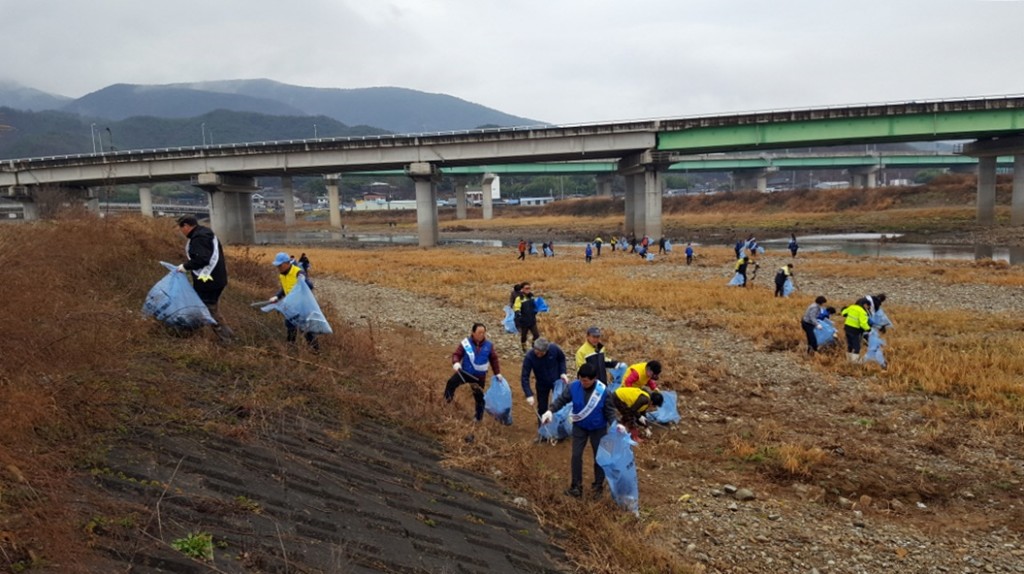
893, 494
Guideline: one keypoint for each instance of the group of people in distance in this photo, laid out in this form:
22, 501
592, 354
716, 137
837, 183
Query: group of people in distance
860, 320
525, 248
595, 408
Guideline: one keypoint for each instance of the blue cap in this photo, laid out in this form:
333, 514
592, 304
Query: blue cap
280, 258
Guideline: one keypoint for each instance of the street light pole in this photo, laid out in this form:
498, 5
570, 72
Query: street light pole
110, 139
314, 131
92, 135
203, 128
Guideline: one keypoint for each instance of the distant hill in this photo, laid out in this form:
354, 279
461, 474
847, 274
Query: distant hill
34, 134
14, 95
122, 101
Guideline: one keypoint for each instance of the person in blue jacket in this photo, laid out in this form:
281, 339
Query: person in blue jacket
689, 253
547, 363
592, 412
470, 361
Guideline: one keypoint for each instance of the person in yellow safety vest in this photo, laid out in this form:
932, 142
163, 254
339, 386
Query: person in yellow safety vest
288, 275
784, 272
855, 327
642, 375
633, 405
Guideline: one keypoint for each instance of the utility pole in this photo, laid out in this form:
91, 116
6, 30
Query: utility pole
92, 134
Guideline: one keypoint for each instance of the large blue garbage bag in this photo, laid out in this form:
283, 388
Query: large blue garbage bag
875, 344
498, 400
548, 252
879, 319
540, 304
300, 308
737, 280
615, 455
616, 375
560, 427
788, 287
826, 335
174, 302
509, 322
667, 413
668, 246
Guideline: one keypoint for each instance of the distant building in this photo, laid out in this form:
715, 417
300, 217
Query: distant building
534, 201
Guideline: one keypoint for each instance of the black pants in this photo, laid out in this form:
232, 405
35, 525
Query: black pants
580, 438
598, 249
463, 377
779, 287
689, 259
853, 336
524, 329
544, 391
522, 256
812, 339
293, 332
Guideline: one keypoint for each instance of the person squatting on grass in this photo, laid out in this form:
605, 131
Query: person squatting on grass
592, 412
470, 361
208, 268
633, 404
592, 352
289, 274
809, 322
526, 314
855, 327
547, 363
643, 375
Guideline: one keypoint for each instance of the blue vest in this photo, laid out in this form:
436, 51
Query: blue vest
479, 369
595, 419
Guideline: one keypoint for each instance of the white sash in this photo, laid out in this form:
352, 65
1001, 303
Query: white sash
595, 398
468, 348
204, 273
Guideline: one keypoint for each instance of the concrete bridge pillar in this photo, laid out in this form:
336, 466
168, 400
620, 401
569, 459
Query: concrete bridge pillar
426, 175
146, 200
288, 197
652, 196
460, 200
333, 198
987, 190
644, 193
604, 185
865, 177
29, 210
630, 208
231, 215
1017, 201
487, 189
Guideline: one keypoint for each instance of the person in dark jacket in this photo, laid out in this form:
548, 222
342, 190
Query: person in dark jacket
206, 264
525, 309
592, 411
547, 363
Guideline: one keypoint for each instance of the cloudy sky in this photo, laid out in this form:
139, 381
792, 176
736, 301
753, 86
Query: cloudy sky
560, 61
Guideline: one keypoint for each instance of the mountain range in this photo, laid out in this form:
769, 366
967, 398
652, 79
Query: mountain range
127, 116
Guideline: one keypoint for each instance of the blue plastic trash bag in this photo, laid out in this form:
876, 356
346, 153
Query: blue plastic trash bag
788, 288
875, 344
649, 256
616, 375
509, 322
174, 302
668, 246
498, 400
560, 427
300, 308
760, 250
540, 304
737, 280
548, 252
667, 413
615, 455
879, 320
826, 335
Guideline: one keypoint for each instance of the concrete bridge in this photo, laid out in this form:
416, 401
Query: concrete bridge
641, 150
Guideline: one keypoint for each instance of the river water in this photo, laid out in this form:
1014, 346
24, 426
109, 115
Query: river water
858, 244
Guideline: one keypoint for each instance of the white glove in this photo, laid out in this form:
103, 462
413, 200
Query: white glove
643, 420
273, 299
546, 417
181, 268
647, 433
531, 401
502, 379
456, 367
622, 366
564, 377
621, 428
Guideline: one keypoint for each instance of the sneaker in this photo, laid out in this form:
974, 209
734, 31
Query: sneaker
574, 491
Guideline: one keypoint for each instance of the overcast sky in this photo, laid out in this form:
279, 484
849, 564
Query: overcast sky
560, 61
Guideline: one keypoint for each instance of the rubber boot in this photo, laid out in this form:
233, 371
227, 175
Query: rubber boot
854, 357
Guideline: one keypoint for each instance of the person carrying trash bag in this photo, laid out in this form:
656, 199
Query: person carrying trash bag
591, 414
592, 352
525, 309
633, 405
175, 303
208, 268
811, 323
783, 276
547, 364
855, 327
470, 361
289, 275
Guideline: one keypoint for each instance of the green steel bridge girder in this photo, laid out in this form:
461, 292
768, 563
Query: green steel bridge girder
836, 131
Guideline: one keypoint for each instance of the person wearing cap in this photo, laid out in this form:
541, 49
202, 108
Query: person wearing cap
206, 264
470, 361
525, 309
592, 412
289, 275
547, 363
633, 404
591, 352
642, 375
